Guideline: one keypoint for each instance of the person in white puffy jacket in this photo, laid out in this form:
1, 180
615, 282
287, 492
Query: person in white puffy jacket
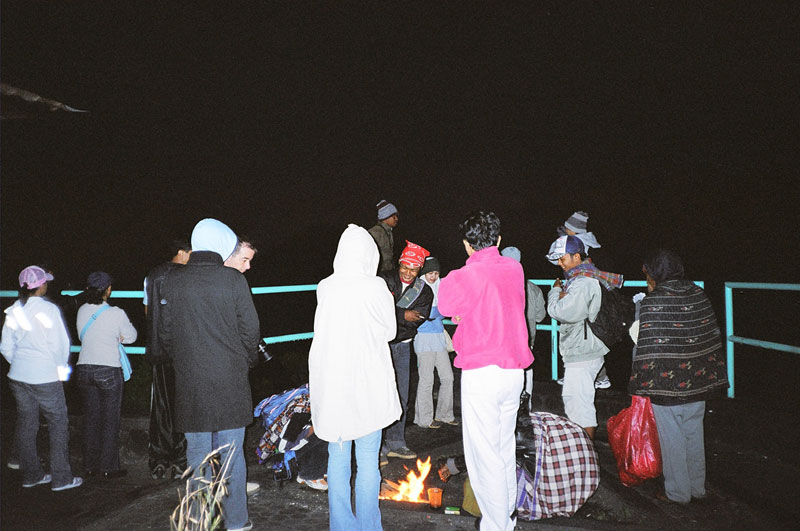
36, 344
351, 378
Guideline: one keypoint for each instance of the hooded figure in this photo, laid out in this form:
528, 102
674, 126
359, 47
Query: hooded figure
210, 330
351, 378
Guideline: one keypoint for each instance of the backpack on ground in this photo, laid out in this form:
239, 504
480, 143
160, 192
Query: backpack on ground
614, 318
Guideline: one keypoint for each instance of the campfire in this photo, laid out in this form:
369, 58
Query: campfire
411, 489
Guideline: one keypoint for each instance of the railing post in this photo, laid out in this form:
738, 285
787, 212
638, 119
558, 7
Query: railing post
728, 334
554, 348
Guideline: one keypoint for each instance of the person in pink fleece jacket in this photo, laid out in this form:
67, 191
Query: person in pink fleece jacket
486, 298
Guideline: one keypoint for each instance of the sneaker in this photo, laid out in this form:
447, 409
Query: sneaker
158, 472
316, 484
603, 383
246, 527
176, 471
383, 460
403, 453
13, 465
47, 478
560, 381
76, 482
252, 487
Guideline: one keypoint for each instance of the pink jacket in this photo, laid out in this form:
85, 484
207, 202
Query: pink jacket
488, 294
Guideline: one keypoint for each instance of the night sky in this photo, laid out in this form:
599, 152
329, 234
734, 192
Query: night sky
670, 126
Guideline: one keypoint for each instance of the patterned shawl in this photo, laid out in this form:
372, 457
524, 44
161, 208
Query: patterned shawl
679, 356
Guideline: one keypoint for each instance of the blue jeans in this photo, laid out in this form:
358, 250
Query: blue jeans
396, 432
49, 399
368, 484
199, 445
101, 390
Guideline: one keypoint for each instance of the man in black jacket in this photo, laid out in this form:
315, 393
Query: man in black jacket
413, 299
210, 329
166, 447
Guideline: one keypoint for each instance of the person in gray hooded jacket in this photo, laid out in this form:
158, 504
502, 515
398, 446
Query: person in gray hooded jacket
210, 330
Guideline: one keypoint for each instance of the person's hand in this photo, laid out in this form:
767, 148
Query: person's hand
557, 283
444, 472
455, 318
413, 316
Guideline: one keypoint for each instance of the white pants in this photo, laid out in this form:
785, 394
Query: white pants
578, 391
489, 404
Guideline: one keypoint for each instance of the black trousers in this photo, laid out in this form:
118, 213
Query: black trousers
165, 446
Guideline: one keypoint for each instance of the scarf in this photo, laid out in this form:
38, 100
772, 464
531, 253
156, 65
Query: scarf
588, 269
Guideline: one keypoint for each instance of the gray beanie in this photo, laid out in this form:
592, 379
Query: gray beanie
385, 210
577, 222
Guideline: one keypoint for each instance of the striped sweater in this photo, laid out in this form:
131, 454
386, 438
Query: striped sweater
679, 356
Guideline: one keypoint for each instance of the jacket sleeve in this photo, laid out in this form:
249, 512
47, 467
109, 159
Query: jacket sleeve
247, 319
573, 307
7, 344
126, 329
536, 311
59, 337
454, 296
385, 310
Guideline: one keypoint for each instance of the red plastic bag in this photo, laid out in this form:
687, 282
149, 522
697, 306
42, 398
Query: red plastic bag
633, 438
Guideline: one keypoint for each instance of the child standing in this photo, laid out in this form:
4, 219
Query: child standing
431, 348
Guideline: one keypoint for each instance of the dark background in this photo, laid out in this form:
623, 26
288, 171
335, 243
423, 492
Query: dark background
671, 125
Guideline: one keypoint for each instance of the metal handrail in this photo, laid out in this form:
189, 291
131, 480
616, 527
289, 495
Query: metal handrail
732, 339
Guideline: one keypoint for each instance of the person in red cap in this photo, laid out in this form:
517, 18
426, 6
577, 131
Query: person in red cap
412, 301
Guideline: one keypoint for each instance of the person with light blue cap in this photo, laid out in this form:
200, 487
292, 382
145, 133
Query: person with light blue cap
211, 332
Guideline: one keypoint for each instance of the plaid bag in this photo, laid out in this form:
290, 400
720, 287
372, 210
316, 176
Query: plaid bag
567, 470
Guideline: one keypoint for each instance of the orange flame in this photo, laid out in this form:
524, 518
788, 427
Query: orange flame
412, 488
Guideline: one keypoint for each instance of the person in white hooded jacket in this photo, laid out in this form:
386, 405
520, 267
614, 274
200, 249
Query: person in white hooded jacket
351, 379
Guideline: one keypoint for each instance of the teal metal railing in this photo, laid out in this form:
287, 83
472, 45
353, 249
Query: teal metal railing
733, 339
552, 327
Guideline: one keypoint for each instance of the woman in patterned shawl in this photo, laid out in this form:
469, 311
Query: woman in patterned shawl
678, 362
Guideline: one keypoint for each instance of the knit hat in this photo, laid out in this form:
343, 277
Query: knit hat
212, 235
413, 255
385, 210
431, 264
577, 222
33, 277
99, 280
512, 252
565, 245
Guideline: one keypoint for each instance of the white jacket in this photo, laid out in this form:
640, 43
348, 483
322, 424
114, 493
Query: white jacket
351, 378
35, 341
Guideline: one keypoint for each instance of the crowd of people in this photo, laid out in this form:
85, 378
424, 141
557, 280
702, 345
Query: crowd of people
203, 336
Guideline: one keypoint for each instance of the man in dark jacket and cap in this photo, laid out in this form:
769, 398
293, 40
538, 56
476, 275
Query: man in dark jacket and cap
210, 330
412, 303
